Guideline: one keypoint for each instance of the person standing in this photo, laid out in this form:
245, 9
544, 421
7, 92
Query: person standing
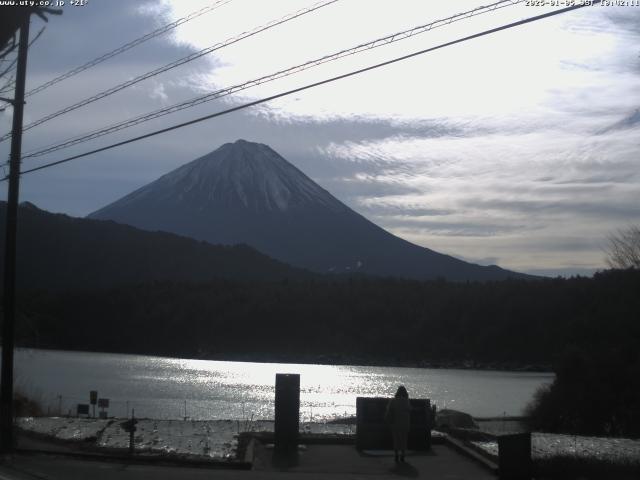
398, 418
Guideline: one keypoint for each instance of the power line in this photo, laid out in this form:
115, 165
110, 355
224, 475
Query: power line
8, 86
269, 78
35, 39
11, 81
10, 68
12, 65
128, 46
174, 64
11, 45
312, 85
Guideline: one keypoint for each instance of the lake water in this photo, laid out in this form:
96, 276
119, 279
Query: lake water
172, 388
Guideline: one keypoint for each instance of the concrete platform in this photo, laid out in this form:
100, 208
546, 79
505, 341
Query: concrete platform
344, 461
317, 462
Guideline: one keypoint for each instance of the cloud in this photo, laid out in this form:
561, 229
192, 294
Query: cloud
414, 226
630, 121
499, 150
594, 209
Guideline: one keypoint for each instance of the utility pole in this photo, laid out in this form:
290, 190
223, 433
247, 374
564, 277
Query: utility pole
9, 298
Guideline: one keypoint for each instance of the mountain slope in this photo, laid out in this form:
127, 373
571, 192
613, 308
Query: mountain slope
245, 192
62, 252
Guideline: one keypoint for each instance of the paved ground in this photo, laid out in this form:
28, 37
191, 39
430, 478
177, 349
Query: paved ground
317, 462
343, 461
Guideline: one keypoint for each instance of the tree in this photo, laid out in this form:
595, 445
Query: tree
623, 248
596, 392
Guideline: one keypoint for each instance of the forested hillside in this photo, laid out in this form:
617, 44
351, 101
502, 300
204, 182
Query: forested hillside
58, 252
350, 320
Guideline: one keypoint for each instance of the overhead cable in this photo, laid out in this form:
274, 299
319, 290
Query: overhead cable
127, 46
269, 78
313, 85
172, 65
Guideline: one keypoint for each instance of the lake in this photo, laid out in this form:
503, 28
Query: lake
173, 388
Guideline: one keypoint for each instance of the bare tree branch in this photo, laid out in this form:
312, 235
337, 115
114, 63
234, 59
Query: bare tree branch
623, 248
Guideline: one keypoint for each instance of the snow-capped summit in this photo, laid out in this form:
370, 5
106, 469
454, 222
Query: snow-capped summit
243, 175
245, 192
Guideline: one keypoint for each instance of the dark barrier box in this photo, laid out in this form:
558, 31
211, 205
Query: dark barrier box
514, 456
373, 433
287, 413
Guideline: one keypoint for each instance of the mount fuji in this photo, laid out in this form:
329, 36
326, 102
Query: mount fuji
246, 193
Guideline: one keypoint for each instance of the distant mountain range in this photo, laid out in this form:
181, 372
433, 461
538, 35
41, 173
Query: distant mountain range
246, 193
59, 252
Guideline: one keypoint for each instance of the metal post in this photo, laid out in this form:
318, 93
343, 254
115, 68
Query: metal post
514, 456
9, 298
132, 431
287, 416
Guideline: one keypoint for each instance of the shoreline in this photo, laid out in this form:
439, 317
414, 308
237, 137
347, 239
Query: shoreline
220, 442
215, 440
335, 360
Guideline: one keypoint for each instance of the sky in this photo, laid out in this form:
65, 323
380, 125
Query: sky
519, 148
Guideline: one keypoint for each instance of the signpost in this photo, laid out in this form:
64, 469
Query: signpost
93, 399
103, 404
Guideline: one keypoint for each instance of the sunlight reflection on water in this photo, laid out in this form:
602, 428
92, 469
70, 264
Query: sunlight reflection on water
159, 387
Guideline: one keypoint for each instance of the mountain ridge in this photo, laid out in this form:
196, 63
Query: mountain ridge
56, 251
245, 192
